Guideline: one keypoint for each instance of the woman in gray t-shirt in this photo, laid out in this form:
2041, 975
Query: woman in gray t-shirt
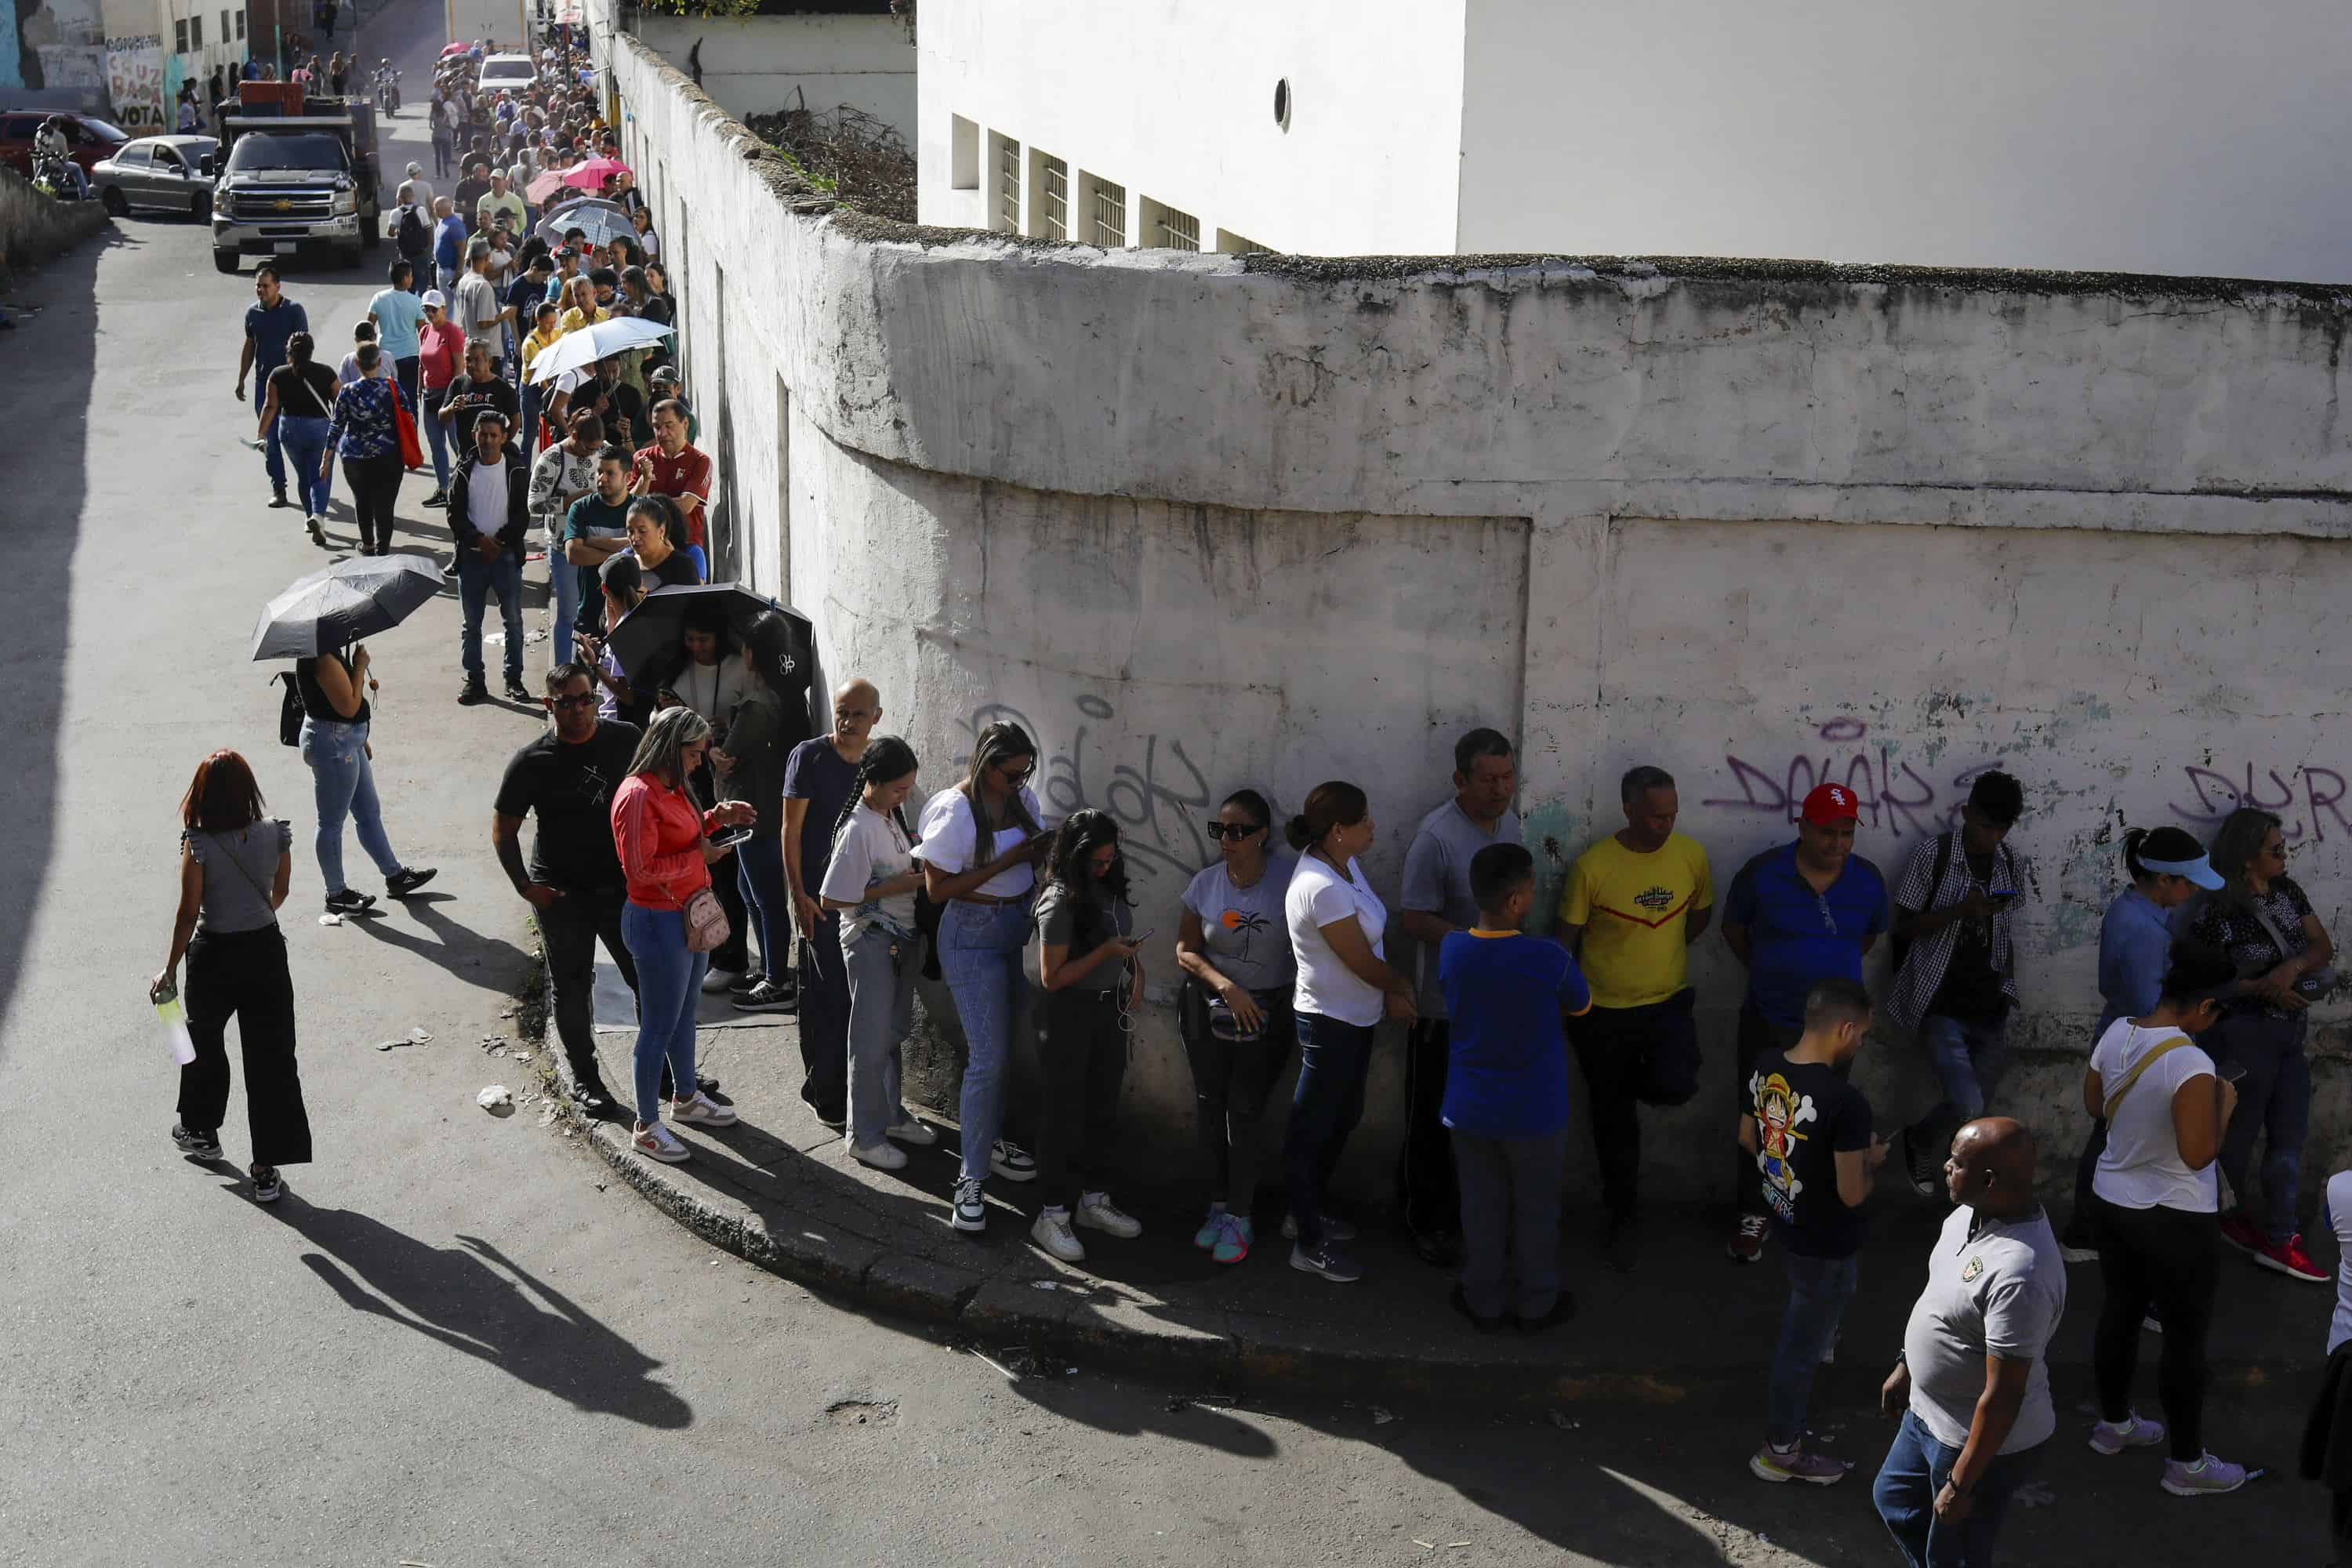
1234, 1010
235, 867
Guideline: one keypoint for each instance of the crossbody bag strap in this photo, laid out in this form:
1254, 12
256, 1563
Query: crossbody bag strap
2270, 929
247, 872
2131, 1078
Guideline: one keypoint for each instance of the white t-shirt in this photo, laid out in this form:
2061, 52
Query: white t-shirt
870, 849
1317, 897
2142, 1168
486, 497
948, 828
2339, 1218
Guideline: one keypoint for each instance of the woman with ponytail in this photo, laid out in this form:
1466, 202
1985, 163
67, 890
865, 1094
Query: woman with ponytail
870, 881
760, 737
1344, 987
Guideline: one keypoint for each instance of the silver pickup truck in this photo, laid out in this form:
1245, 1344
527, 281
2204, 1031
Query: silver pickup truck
290, 183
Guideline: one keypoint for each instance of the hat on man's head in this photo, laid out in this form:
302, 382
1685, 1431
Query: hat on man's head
1830, 802
664, 376
436, 300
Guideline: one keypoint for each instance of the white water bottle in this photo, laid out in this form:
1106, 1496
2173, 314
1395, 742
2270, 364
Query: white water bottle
175, 1028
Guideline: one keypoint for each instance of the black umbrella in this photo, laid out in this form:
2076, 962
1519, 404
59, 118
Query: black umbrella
647, 642
349, 600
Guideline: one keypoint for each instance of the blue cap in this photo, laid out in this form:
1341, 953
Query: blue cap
2200, 871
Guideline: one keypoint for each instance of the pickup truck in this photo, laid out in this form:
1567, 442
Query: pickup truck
286, 183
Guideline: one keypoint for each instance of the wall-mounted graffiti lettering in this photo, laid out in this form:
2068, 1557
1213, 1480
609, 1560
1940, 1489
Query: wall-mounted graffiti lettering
1892, 796
2307, 799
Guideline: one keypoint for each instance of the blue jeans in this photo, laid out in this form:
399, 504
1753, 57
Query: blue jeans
304, 442
475, 578
980, 955
344, 785
760, 873
564, 578
1968, 1059
1333, 1060
1818, 1288
528, 435
273, 457
881, 1010
2274, 1104
437, 438
1915, 1469
669, 984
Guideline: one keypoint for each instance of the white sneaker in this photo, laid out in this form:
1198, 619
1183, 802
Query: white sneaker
2134, 1431
883, 1156
967, 1210
1012, 1161
1052, 1232
657, 1142
1097, 1212
701, 1110
910, 1129
2207, 1475
719, 979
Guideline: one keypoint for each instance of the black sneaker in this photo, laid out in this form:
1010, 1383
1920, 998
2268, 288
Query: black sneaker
438, 497
517, 692
473, 692
1920, 1164
267, 1187
277, 498
407, 879
1561, 1312
750, 980
765, 998
348, 902
196, 1145
705, 1083
1460, 1302
591, 1096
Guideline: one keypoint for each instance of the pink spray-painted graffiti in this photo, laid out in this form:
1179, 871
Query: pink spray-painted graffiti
1893, 796
1158, 800
2306, 799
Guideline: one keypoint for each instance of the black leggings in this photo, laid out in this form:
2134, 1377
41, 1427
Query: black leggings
1083, 1051
243, 976
2171, 1259
1232, 1081
375, 485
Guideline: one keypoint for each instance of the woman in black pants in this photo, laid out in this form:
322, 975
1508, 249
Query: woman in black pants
2156, 1202
366, 431
234, 866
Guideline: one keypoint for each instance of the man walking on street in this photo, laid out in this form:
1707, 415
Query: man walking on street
489, 513
1795, 915
573, 883
1972, 1381
1955, 965
1437, 900
1634, 902
1806, 1131
820, 776
269, 322
449, 243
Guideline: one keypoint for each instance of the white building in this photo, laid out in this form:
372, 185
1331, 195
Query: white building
2159, 136
154, 46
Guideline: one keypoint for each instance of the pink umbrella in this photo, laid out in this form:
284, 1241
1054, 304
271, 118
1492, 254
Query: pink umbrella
455, 49
592, 175
542, 187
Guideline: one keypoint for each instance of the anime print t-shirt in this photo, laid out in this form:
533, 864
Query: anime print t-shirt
1806, 1115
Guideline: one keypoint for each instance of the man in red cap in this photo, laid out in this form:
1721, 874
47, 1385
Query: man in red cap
1795, 915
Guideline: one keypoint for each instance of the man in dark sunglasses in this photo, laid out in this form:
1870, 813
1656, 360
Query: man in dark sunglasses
572, 882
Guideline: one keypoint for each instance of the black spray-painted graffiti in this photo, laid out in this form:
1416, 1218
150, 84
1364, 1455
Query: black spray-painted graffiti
1158, 801
2307, 799
1892, 796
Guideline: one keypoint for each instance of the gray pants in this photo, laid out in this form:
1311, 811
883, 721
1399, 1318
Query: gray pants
1510, 1192
881, 1010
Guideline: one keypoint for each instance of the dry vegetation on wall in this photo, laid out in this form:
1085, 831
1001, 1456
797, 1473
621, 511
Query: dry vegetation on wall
854, 157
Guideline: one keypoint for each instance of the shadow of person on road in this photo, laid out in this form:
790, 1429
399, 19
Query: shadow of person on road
473, 1299
490, 962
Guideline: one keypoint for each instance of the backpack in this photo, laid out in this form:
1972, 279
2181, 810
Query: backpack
415, 237
289, 710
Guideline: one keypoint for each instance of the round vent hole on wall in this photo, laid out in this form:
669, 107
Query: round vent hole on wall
1282, 104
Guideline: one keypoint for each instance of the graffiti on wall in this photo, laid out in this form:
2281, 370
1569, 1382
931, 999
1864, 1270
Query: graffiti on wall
2309, 800
1896, 797
134, 82
59, 43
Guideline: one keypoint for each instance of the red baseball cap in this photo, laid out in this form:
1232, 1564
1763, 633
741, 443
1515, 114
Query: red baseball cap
1830, 802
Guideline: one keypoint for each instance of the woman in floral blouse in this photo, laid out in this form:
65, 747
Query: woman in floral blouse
365, 428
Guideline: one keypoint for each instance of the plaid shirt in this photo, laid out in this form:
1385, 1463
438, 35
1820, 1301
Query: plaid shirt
1914, 991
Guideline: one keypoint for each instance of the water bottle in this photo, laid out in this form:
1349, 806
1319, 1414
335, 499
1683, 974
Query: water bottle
175, 1027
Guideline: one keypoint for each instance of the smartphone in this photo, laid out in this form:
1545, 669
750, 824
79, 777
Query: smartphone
2234, 1072
1141, 937
726, 838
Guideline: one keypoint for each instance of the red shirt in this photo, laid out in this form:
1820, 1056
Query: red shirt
440, 355
687, 474
658, 834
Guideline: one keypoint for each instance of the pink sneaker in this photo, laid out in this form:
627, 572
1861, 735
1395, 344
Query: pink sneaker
2289, 1258
1769, 1464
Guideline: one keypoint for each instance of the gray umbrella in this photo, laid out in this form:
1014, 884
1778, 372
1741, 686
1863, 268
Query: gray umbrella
349, 600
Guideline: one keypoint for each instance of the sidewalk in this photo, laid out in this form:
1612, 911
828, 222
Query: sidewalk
779, 1190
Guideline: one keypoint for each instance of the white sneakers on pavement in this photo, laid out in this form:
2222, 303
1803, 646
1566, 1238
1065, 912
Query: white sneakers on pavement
909, 1129
701, 1110
658, 1142
1097, 1212
883, 1156
1053, 1233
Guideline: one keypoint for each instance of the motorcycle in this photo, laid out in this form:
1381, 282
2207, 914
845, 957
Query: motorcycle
387, 91
60, 178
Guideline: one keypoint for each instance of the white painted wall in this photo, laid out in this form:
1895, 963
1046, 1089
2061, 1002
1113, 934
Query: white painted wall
1759, 527
1175, 101
2166, 136
761, 65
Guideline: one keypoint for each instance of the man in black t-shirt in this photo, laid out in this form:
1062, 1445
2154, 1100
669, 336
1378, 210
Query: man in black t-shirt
480, 388
572, 882
1809, 1132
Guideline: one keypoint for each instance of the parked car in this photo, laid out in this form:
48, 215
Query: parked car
507, 73
157, 172
93, 139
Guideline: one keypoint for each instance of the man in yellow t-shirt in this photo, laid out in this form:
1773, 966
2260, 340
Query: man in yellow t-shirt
1635, 901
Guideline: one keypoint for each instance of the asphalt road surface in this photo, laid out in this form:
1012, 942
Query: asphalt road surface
451, 1345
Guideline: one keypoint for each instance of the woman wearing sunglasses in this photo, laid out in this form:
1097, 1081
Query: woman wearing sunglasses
1234, 1010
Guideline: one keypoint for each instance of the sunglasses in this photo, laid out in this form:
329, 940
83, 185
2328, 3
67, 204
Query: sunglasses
583, 699
1222, 831
1014, 775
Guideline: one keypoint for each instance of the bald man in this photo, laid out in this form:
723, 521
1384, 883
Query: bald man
820, 777
1972, 1383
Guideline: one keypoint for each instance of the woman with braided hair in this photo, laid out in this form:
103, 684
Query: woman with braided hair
870, 881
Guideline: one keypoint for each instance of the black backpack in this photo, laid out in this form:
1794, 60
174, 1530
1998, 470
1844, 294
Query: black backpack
290, 711
415, 237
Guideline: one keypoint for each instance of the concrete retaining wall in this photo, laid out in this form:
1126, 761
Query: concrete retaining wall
32, 228
1203, 523
763, 65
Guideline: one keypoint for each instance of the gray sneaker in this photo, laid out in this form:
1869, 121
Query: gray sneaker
1327, 1261
1799, 1464
2207, 1475
967, 1210
2134, 1431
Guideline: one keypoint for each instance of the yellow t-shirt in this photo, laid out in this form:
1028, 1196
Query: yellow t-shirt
572, 321
1631, 907
533, 343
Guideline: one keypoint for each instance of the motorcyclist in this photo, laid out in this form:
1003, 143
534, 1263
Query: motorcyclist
51, 147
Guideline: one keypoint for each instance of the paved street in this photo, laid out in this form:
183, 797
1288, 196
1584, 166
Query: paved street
458, 1342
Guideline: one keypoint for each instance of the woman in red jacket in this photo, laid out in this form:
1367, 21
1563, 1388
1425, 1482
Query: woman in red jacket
664, 842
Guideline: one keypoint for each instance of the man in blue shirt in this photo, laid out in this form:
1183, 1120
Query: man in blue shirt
448, 242
1796, 915
269, 322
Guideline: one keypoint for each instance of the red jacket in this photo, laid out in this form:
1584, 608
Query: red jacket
658, 834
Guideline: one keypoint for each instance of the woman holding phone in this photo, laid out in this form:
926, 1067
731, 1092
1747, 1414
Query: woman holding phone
981, 843
870, 881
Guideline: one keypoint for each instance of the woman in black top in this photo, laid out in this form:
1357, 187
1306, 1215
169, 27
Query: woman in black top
234, 865
334, 690
302, 400
657, 539
759, 736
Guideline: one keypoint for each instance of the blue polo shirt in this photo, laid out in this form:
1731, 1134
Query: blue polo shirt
269, 328
1506, 1059
1798, 937
450, 241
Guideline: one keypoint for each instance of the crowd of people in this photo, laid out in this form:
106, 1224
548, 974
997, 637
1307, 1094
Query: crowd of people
642, 789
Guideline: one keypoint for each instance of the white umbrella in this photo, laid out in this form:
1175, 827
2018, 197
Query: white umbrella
586, 345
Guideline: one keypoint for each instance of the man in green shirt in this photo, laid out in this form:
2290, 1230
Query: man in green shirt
499, 203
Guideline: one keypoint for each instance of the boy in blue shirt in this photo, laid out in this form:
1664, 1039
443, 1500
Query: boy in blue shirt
1506, 1094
